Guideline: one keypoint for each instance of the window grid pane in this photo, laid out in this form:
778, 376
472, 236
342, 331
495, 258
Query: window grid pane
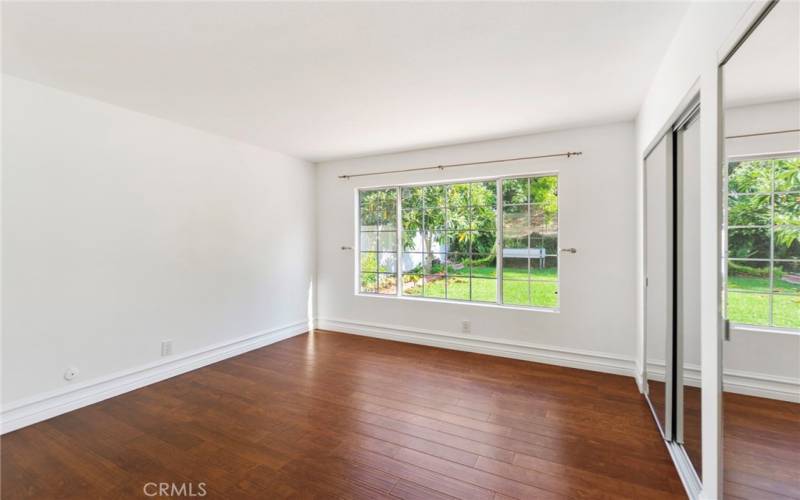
763, 228
447, 242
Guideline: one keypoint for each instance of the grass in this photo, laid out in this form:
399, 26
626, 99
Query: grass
748, 302
481, 285
748, 297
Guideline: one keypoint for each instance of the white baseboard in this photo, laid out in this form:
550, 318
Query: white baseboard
561, 356
41, 407
741, 382
760, 385
643, 388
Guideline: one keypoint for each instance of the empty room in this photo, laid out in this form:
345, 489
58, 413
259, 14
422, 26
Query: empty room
414, 250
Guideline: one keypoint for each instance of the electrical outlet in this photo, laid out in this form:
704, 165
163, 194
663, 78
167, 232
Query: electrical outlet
466, 326
166, 347
71, 373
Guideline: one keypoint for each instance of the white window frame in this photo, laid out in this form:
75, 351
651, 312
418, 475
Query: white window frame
498, 241
771, 260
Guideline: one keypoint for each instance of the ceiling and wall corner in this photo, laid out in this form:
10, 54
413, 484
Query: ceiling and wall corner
320, 80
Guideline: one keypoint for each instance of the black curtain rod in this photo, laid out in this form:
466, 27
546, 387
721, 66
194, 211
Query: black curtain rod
466, 164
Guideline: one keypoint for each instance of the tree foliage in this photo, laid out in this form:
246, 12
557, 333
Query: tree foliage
460, 218
763, 194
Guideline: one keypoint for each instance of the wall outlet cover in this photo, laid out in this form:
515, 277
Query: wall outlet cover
166, 347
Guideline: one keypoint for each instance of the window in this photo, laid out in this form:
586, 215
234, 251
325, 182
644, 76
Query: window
443, 241
530, 241
763, 224
378, 241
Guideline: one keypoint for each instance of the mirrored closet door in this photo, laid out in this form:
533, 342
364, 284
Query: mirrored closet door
760, 207
672, 288
658, 281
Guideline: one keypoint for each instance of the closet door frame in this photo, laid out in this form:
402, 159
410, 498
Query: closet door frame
688, 118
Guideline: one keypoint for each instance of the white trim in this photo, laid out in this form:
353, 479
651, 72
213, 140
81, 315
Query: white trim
643, 387
740, 382
560, 356
686, 471
43, 406
779, 155
761, 385
499, 207
742, 30
738, 327
550, 310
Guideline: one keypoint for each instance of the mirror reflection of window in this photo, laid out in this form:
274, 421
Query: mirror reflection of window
764, 241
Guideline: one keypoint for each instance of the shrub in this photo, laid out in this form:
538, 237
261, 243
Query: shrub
735, 268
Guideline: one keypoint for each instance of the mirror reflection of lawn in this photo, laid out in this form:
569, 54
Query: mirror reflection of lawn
753, 307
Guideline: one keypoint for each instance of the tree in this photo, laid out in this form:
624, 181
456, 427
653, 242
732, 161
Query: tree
752, 204
459, 217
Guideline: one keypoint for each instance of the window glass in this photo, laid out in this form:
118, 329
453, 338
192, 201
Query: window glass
530, 241
763, 227
378, 241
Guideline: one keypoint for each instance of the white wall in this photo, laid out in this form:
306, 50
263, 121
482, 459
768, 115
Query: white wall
753, 119
597, 216
120, 230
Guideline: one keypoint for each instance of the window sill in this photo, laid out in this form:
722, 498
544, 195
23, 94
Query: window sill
461, 303
736, 327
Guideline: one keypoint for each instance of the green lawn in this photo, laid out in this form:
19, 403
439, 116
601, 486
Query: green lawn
517, 290
753, 308
747, 308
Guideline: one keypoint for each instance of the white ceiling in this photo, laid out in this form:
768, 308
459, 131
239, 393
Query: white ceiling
766, 68
331, 80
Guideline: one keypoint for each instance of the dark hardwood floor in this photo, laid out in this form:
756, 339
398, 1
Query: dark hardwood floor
328, 415
761, 443
761, 448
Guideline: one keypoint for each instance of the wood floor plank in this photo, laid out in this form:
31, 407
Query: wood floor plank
736, 490
328, 415
475, 476
761, 448
412, 491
